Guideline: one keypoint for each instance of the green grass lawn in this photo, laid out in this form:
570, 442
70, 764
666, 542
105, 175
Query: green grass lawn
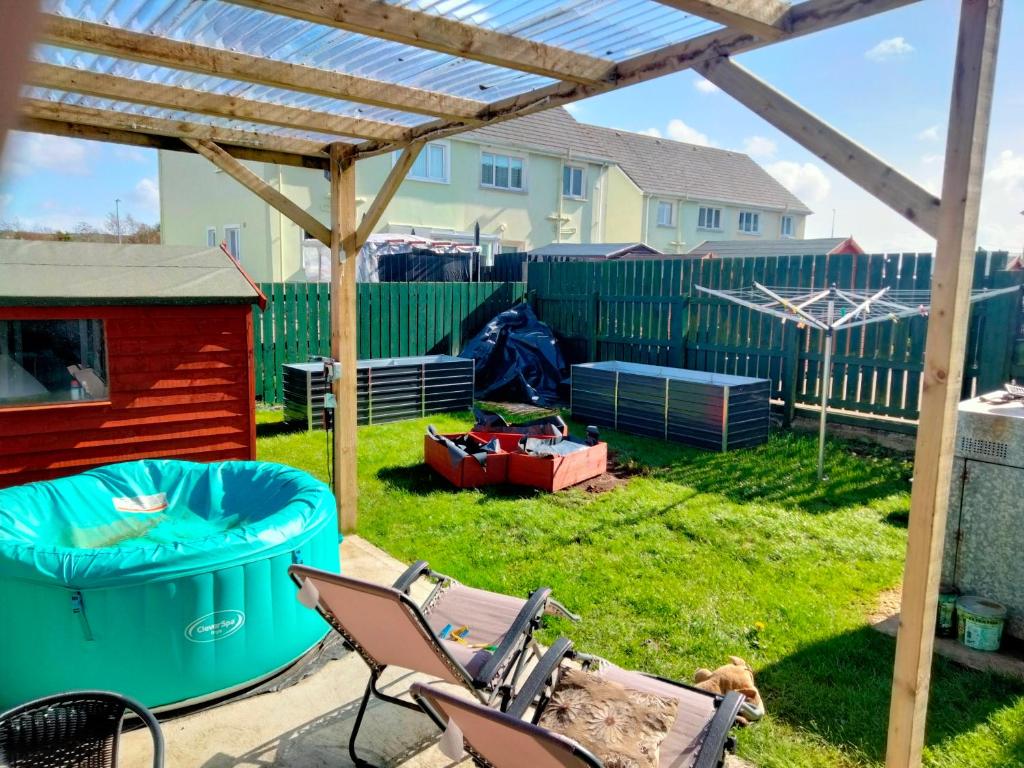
700, 556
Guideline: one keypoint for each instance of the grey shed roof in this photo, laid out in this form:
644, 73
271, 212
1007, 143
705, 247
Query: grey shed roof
41, 272
657, 166
814, 246
603, 250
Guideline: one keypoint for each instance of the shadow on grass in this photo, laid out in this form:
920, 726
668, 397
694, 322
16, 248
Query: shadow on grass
784, 470
839, 689
421, 480
274, 428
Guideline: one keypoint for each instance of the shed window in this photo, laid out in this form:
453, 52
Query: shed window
52, 361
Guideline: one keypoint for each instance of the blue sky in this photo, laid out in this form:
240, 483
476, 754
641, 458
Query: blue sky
884, 81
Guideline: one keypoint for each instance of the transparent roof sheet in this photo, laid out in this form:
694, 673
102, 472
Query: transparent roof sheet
612, 30
206, 83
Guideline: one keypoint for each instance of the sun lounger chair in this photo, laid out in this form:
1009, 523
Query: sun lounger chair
79, 729
698, 738
387, 628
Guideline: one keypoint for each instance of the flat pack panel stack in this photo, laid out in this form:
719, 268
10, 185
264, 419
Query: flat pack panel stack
394, 388
387, 389
710, 410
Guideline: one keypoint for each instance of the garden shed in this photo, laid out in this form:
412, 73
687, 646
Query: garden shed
115, 352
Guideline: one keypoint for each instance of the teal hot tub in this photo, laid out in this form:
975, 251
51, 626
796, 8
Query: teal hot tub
164, 580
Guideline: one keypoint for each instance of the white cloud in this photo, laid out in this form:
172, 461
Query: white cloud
1008, 172
805, 180
146, 197
931, 133
931, 159
894, 47
131, 154
705, 86
680, 131
651, 132
759, 146
27, 153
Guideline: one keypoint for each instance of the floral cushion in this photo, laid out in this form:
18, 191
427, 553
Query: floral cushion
621, 726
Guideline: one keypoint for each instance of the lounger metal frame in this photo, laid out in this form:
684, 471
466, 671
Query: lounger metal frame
512, 654
536, 693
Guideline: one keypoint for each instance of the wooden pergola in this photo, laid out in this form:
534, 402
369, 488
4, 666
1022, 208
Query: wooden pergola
326, 83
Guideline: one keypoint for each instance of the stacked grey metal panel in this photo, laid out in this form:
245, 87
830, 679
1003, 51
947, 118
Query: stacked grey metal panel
710, 410
387, 389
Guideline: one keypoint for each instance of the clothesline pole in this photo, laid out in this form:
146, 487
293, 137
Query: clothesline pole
826, 379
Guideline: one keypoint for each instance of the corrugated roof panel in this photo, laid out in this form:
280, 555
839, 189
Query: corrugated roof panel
211, 84
610, 29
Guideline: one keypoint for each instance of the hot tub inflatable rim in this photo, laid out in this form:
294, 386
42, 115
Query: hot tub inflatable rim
310, 506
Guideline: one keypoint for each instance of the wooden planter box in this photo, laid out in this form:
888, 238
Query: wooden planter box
710, 410
466, 471
553, 473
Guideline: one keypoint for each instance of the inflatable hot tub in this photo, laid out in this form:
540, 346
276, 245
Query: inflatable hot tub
163, 580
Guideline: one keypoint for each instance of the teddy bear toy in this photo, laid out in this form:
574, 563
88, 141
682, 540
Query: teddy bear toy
736, 676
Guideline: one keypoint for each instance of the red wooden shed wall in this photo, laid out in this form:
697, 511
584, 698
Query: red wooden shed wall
181, 386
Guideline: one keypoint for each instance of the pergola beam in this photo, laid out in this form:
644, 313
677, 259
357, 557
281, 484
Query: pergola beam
802, 19
874, 175
127, 121
764, 18
268, 194
74, 130
219, 62
970, 107
435, 32
107, 86
386, 192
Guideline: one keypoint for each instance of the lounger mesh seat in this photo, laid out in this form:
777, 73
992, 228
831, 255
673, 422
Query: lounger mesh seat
698, 738
387, 628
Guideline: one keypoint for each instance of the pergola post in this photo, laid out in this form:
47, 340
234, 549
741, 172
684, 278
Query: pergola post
973, 75
343, 331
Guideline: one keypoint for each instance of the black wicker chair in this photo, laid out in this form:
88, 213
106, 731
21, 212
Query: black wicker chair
79, 729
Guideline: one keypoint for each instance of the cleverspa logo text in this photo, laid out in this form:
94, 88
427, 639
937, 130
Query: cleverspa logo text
215, 626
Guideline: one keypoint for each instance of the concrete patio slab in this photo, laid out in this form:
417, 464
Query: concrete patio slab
308, 724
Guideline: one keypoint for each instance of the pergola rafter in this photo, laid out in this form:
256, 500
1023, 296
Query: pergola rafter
507, 60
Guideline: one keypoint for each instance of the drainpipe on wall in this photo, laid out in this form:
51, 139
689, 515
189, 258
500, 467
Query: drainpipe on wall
644, 211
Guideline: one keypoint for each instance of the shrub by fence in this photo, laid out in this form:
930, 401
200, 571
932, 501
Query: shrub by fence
395, 320
649, 312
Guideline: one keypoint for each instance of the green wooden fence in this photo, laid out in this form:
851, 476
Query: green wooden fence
395, 320
649, 312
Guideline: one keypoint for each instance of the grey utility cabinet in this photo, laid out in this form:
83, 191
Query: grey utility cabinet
710, 410
985, 525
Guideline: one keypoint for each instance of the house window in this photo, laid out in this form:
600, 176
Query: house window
750, 222
52, 361
211, 237
233, 238
572, 181
431, 165
786, 228
666, 214
709, 218
501, 171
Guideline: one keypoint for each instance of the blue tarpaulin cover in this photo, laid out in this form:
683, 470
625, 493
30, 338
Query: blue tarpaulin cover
518, 357
146, 520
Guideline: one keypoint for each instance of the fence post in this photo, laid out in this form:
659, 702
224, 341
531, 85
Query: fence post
677, 334
790, 362
595, 321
